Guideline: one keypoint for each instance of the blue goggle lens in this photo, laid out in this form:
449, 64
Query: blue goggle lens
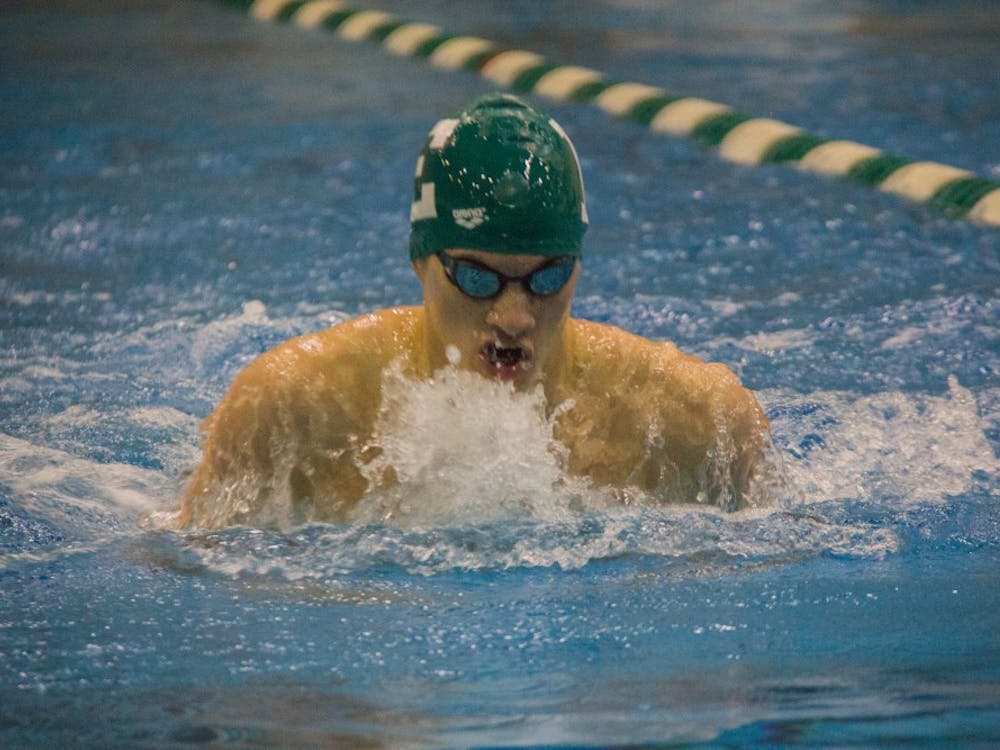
482, 283
551, 279
476, 281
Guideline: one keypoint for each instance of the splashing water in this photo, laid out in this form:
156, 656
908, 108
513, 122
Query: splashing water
464, 450
907, 447
480, 484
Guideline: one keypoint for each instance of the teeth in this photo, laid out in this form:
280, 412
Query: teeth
507, 356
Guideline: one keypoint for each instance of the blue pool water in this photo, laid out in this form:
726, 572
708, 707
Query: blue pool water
181, 188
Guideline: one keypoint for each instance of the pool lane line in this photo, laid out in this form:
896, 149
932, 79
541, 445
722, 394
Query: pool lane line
739, 137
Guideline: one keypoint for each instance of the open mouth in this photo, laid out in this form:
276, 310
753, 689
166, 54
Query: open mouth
505, 361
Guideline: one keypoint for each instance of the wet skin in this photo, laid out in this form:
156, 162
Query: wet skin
295, 427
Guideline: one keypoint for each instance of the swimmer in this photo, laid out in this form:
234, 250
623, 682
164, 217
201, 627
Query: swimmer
497, 224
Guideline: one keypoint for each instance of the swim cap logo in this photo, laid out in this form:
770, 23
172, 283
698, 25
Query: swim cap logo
469, 218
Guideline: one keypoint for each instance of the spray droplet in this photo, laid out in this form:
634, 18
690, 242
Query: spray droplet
453, 354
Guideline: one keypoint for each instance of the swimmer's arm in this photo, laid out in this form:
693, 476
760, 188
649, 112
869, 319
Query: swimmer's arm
263, 439
744, 432
727, 417
293, 423
239, 438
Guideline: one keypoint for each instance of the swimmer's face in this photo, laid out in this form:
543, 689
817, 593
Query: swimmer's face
515, 336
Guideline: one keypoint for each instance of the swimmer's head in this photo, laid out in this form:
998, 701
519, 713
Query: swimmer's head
500, 177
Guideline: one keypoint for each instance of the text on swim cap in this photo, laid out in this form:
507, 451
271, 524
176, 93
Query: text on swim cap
469, 218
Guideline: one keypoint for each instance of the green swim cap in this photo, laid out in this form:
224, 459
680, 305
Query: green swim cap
501, 177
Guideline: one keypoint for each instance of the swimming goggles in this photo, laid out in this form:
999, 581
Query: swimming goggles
482, 282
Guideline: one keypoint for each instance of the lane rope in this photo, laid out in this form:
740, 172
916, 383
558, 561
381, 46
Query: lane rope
738, 137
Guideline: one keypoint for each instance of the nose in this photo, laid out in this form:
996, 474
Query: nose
511, 313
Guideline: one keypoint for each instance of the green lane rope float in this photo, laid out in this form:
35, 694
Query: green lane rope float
738, 137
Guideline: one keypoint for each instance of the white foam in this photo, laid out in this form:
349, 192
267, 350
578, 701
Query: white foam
773, 341
724, 308
465, 449
481, 485
903, 338
162, 417
892, 445
82, 498
908, 335
213, 340
695, 541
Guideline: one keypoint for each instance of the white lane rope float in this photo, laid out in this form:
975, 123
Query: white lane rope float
740, 138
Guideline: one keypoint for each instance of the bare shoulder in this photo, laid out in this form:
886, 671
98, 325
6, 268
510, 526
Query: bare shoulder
649, 414
609, 355
292, 416
338, 366
375, 338
598, 346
